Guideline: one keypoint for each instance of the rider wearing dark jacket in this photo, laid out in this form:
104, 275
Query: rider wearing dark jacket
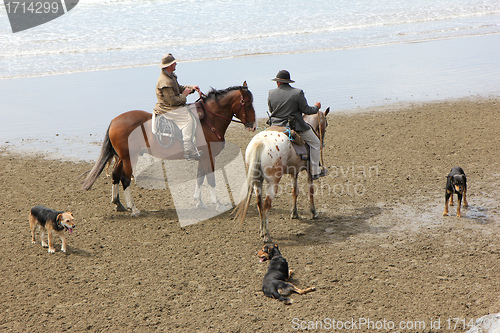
287, 105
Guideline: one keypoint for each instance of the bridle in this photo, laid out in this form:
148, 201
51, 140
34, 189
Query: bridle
242, 121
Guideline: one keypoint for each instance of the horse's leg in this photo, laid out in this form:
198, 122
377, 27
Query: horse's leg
272, 190
213, 193
198, 203
295, 213
205, 170
219, 206
115, 196
258, 195
126, 182
311, 198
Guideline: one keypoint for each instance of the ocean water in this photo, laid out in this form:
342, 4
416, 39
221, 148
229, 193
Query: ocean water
106, 34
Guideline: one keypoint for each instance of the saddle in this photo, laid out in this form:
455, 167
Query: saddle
166, 130
301, 147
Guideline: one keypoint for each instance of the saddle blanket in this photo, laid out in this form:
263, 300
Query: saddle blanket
301, 147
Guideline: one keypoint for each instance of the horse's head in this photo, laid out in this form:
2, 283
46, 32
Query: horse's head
318, 122
323, 122
233, 102
242, 108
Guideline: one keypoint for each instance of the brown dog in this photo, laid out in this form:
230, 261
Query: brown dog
274, 284
50, 221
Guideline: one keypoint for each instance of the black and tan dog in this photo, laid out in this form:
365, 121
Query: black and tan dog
456, 182
274, 284
50, 221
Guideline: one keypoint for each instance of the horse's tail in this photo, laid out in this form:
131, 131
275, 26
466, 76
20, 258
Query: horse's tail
254, 175
107, 153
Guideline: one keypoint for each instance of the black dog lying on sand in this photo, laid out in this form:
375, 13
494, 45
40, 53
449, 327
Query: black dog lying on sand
456, 182
274, 284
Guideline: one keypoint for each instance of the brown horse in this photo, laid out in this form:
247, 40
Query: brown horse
130, 134
269, 156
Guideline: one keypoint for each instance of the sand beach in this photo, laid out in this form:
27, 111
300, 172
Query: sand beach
413, 90
380, 251
402, 115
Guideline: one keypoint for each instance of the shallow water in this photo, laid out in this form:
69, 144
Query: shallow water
67, 115
104, 34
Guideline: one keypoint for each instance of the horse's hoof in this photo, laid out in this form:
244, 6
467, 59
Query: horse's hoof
121, 208
267, 239
315, 215
220, 207
135, 213
198, 204
295, 214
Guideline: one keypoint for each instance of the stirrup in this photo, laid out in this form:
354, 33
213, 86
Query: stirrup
193, 154
323, 173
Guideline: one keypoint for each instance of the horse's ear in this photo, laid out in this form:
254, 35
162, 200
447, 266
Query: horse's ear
327, 110
245, 84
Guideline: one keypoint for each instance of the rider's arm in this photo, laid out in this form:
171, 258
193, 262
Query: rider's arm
191, 89
171, 98
304, 107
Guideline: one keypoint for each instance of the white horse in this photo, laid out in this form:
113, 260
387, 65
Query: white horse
269, 156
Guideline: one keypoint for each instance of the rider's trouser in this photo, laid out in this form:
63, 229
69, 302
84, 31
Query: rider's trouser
183, 119
312, 139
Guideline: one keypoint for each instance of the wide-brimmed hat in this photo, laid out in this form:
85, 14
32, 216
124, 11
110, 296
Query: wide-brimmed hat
167, 60
283, 76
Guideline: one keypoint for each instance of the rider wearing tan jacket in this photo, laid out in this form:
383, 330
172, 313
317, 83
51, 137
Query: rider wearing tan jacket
170, 97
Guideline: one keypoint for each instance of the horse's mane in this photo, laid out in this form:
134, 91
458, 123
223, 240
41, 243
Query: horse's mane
216, 94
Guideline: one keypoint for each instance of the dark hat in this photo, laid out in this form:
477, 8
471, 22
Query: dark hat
167, 60
283, 76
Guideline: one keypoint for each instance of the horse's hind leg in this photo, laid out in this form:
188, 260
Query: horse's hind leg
265, 219
115, 196
126, 182
295, 213
271, 193
123, 173
258, 195
264, 229
311, 198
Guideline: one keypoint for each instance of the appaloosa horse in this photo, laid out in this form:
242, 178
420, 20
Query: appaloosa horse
269, 156
219, 108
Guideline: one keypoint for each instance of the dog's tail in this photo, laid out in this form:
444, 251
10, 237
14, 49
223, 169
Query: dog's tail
285, 300
107, 153
274, 293
254, 176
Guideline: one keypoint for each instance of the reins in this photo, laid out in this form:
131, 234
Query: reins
320, 130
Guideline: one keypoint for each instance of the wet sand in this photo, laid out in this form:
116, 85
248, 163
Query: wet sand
381, 249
